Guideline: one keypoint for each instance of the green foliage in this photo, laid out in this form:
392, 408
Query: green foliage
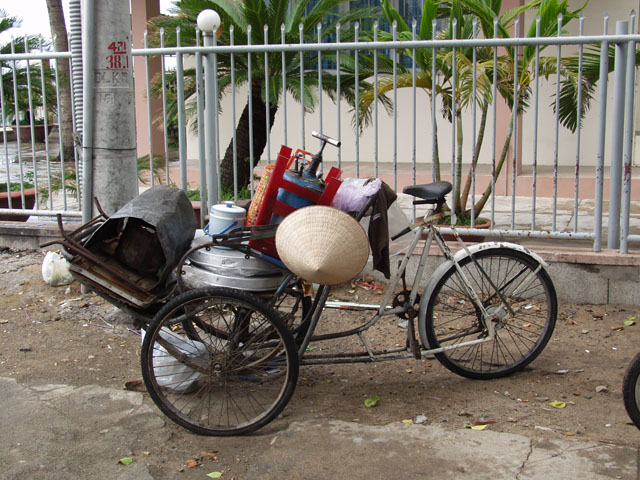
193, 194
246, 21
244, 193
14, 186
258, 22
476, 71
143, 165
18, 93
59, 182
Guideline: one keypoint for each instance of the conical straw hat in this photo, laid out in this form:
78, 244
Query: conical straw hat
322, 245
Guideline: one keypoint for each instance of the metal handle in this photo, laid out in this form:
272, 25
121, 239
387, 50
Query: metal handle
325, 138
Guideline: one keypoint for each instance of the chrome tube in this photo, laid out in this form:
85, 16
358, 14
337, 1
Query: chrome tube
557, 137
617, 137
536, 105
164, 109
182, 129
149, 114
602, 127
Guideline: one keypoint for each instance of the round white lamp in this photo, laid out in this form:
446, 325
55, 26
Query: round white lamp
208, 21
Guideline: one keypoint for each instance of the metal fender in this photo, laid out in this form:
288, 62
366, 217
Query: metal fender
460, 254
446, 265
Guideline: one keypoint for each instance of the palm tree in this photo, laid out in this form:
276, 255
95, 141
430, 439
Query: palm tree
59, 30
21, 84
249, 18
460, 15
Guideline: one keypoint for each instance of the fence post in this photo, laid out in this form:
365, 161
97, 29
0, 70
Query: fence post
602, 128
629, 134
617, 137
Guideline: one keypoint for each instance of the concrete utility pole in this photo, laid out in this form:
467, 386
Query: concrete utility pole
109, 140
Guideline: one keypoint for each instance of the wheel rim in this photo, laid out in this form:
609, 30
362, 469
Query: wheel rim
518, 339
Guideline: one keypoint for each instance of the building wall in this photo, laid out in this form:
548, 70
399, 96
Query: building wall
593, 25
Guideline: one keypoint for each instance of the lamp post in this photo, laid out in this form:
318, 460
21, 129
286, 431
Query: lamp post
208, 23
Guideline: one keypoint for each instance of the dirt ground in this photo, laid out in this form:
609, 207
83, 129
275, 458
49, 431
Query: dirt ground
59, 335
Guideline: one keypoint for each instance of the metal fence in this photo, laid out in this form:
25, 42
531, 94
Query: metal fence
539, 157
34, 167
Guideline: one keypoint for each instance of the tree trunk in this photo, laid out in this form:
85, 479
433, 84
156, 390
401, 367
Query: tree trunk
474, 162
59, 30
457, 208
485, 196
242, 141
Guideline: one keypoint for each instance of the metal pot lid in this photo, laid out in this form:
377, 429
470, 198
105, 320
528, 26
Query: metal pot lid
195, 277
230, 262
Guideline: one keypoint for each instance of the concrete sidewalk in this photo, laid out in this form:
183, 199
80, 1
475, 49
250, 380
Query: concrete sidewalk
62, 432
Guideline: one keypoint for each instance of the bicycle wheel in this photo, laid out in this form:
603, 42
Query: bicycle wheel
452, 318
214, 384
631, 390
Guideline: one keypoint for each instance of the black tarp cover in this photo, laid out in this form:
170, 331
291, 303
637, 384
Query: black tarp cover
167, 210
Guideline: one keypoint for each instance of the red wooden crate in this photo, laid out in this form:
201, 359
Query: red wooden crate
271, 205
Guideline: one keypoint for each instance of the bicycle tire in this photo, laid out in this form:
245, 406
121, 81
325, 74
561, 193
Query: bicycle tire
213, 385
452, 318
631, 390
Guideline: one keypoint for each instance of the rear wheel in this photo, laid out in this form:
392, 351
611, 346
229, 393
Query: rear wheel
452, 318
219, 361
631, 390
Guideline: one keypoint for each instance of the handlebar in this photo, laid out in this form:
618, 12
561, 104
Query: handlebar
326, 139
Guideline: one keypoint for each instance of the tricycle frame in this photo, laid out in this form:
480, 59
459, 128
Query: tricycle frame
410, 349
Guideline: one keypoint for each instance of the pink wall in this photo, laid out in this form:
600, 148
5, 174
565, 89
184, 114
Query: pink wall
141, 11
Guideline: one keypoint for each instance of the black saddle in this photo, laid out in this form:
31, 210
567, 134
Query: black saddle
429, 192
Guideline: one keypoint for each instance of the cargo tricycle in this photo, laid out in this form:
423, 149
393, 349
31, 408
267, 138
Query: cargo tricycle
222, 357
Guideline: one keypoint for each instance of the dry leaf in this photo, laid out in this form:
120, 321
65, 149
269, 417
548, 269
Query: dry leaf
484, 422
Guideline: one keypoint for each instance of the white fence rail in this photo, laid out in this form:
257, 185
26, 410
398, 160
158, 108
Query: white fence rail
548, 172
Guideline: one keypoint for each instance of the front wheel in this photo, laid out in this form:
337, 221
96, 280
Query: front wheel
631, 390
219, 361
452, 318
